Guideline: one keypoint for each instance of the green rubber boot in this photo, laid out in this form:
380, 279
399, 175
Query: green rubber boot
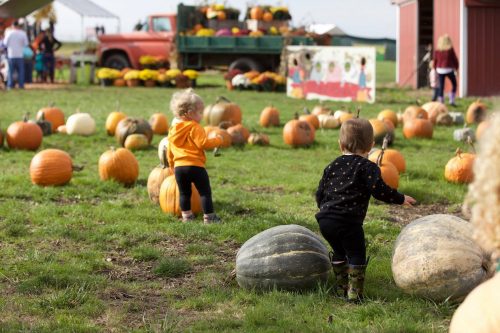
341, 277
356, 282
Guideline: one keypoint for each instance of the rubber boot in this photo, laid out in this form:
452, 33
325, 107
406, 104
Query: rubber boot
356, 282
440, 99
340, 268
452, 99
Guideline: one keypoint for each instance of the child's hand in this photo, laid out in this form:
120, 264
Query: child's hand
409, 201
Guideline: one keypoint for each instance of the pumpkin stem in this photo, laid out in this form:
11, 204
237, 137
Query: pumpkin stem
222, 98
458, 152
51, 104
296, 116
164, 160
418, 102
379, 158
357, 112
77, 168
385, 142
471, 143
306, 110
26, 117
42, 116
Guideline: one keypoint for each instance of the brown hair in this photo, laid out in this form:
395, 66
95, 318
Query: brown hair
356, 135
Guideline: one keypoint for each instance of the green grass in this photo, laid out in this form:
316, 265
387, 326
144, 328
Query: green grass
94, 256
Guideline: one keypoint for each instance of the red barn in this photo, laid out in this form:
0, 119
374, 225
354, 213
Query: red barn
474, 28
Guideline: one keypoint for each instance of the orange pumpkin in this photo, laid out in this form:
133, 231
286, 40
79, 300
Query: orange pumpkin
434, 109
53, 115
381, 129
298, 133
227, 140
221, 15
258, 139
388, 115
390, 155
112, 121
270, 116
311, 119
267, 17
239, 134
119, 83
459, 169
51, 167
476, 112
24, 135
417, 128
119, 165
483, 126
159, 123
136, 142
222, 111
345, 116
157, 176
256, 13
389, 172
414, 112
169, 197
320, 109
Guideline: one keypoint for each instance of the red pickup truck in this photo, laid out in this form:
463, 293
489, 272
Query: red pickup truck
156, 38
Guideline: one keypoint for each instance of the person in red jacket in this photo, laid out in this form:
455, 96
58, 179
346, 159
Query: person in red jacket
446, 63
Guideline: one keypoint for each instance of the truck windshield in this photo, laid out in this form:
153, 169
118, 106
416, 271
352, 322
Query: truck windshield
161, 24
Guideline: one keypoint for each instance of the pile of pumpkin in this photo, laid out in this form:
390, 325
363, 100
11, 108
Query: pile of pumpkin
147, 77
268, 13
254, 80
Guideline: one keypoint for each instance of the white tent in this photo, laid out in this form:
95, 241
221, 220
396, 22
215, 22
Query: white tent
325, 29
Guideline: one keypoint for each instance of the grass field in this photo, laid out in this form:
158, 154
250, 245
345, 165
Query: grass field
94, 256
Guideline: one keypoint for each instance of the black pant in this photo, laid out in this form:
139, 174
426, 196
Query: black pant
185, 175
346, 239
453, 80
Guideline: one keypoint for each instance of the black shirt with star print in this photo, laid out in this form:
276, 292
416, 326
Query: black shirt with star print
346, 187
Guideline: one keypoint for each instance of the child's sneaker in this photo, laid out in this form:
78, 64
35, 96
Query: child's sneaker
188, 218
211, 218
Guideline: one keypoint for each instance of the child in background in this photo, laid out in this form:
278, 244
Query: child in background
40, 65
187, 141
433, 81
343, 195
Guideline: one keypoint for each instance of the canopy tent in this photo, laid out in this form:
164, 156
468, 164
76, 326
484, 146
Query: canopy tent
325, 29
20, 8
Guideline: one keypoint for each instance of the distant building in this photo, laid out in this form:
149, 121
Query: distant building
474, 27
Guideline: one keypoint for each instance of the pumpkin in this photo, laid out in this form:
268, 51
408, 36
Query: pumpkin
458, 118
267, 17
136, 142
270, 116
222, 111
390, 155
320, 109
119, 82
298, 133
53, 115
51, 167
444, 119
62, 129
227, 140
44, 125
481, 128
159, 123
459, 169
479, 311
389, 172
389, 115
24, 135
328, 121
464, 134
131, 125
434, 109
80, 124
112, 121
417, 128
414, 112
169, 197
256, 13
476, 112
343, 116
380, 130
288, 257
157, 176
258, 139
436, 257
162, 145
310, 118
239, 134
119, 165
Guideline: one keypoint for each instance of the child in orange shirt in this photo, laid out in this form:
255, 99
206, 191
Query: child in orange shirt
186, 143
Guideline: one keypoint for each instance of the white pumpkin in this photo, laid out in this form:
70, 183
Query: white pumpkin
240, 80
338, 114
80, 124
162, 146
328, 121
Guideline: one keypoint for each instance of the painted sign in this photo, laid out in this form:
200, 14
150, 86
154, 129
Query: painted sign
331, 73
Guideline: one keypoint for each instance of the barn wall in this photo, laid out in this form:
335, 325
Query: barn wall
407, 44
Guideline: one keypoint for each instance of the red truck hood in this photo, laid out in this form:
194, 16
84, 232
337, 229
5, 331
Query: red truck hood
135, 36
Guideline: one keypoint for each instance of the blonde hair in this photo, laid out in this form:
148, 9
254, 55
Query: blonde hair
184, 101
356, 135
483, 198
444, 43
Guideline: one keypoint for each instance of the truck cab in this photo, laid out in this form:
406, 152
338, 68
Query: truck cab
154, 37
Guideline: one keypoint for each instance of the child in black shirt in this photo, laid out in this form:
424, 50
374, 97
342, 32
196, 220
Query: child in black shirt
342, 197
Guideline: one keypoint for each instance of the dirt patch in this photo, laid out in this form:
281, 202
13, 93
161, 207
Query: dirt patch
46, 86
265, 189
403, 215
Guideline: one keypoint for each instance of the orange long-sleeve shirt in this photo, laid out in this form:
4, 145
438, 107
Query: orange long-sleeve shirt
186, 143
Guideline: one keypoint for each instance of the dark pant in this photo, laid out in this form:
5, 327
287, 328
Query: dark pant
453, 80
346, 239
16, 65
185, 175
435, 94
50, 64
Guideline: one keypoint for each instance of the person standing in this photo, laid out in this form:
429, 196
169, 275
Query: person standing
446, 63
50, 45
15, 42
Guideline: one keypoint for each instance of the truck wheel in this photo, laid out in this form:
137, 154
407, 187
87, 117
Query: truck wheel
245, 65
116, 60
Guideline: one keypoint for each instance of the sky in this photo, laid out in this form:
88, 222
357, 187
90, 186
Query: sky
364, 18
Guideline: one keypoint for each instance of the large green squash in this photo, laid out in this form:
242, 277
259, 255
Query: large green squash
288, 257
435, 257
